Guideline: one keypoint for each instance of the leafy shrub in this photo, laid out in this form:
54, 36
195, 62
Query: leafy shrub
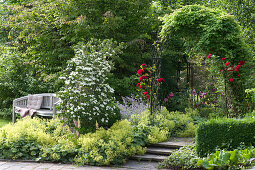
112, 146
86, 96
184, 158
224, 134
27, 138
6, 113
161, 126
38, 140
184, 123
236, 159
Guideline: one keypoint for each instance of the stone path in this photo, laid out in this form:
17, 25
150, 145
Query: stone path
15, 165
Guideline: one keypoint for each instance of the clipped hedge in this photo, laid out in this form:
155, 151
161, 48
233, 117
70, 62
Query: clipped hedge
224, 134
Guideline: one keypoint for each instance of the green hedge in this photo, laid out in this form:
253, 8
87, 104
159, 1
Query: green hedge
224, 134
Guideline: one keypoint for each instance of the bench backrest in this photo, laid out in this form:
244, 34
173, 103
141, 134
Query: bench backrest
47, 103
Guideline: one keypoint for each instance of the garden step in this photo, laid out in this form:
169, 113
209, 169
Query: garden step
149, 157
159, 151
171, 145
174, 143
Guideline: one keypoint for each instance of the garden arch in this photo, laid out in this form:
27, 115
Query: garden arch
209, 31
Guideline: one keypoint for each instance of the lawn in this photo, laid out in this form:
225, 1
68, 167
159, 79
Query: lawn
3, 122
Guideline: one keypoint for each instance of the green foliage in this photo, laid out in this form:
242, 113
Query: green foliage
184, 158
236, 159
4, 122
86, 96
202, 30
250, 97
29, 137
45, 32
184, 123
6, 113
163, 125
42, 140
224, 134
112, 146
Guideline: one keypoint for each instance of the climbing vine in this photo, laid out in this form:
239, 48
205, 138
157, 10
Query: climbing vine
209, 31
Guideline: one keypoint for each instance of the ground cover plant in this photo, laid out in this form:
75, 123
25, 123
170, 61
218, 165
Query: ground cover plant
187, 158
53, 140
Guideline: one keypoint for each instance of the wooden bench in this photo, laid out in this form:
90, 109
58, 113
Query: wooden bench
47, 109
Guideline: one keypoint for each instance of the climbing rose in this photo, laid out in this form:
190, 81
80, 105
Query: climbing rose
161, 80
228, 63
147, 96
242, 62
209, 56
145, 93
140, 71
238, 75
214, 90
144, 65
143, 77
231, 79
166, 99
138, 84
221, 70
171, 95
223, 59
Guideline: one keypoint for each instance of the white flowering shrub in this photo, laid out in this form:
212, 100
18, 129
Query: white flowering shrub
87, 98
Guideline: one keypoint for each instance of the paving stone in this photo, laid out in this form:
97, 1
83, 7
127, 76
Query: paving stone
5, 166
44, 166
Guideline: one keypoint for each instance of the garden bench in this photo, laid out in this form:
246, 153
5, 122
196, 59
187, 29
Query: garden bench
47, 108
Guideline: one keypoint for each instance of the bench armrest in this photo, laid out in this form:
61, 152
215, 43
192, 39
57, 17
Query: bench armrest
54, 107
21, 100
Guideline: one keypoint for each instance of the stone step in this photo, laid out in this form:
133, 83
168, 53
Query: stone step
159, 151
171, 145
149, 157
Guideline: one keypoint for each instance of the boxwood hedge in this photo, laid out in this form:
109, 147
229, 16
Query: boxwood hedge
224, 134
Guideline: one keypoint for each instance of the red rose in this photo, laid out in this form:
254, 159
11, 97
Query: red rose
147, 96
231, 79
221, 70
242, 62
238, 75
138, 84
231, 66
223, 59
160, 80
236, 69
145, 93
238, 66
140, 87
209, 56
140, 71
144, 65
228, 63
143, 77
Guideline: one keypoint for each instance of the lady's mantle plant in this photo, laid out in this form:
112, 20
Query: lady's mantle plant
87, 98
